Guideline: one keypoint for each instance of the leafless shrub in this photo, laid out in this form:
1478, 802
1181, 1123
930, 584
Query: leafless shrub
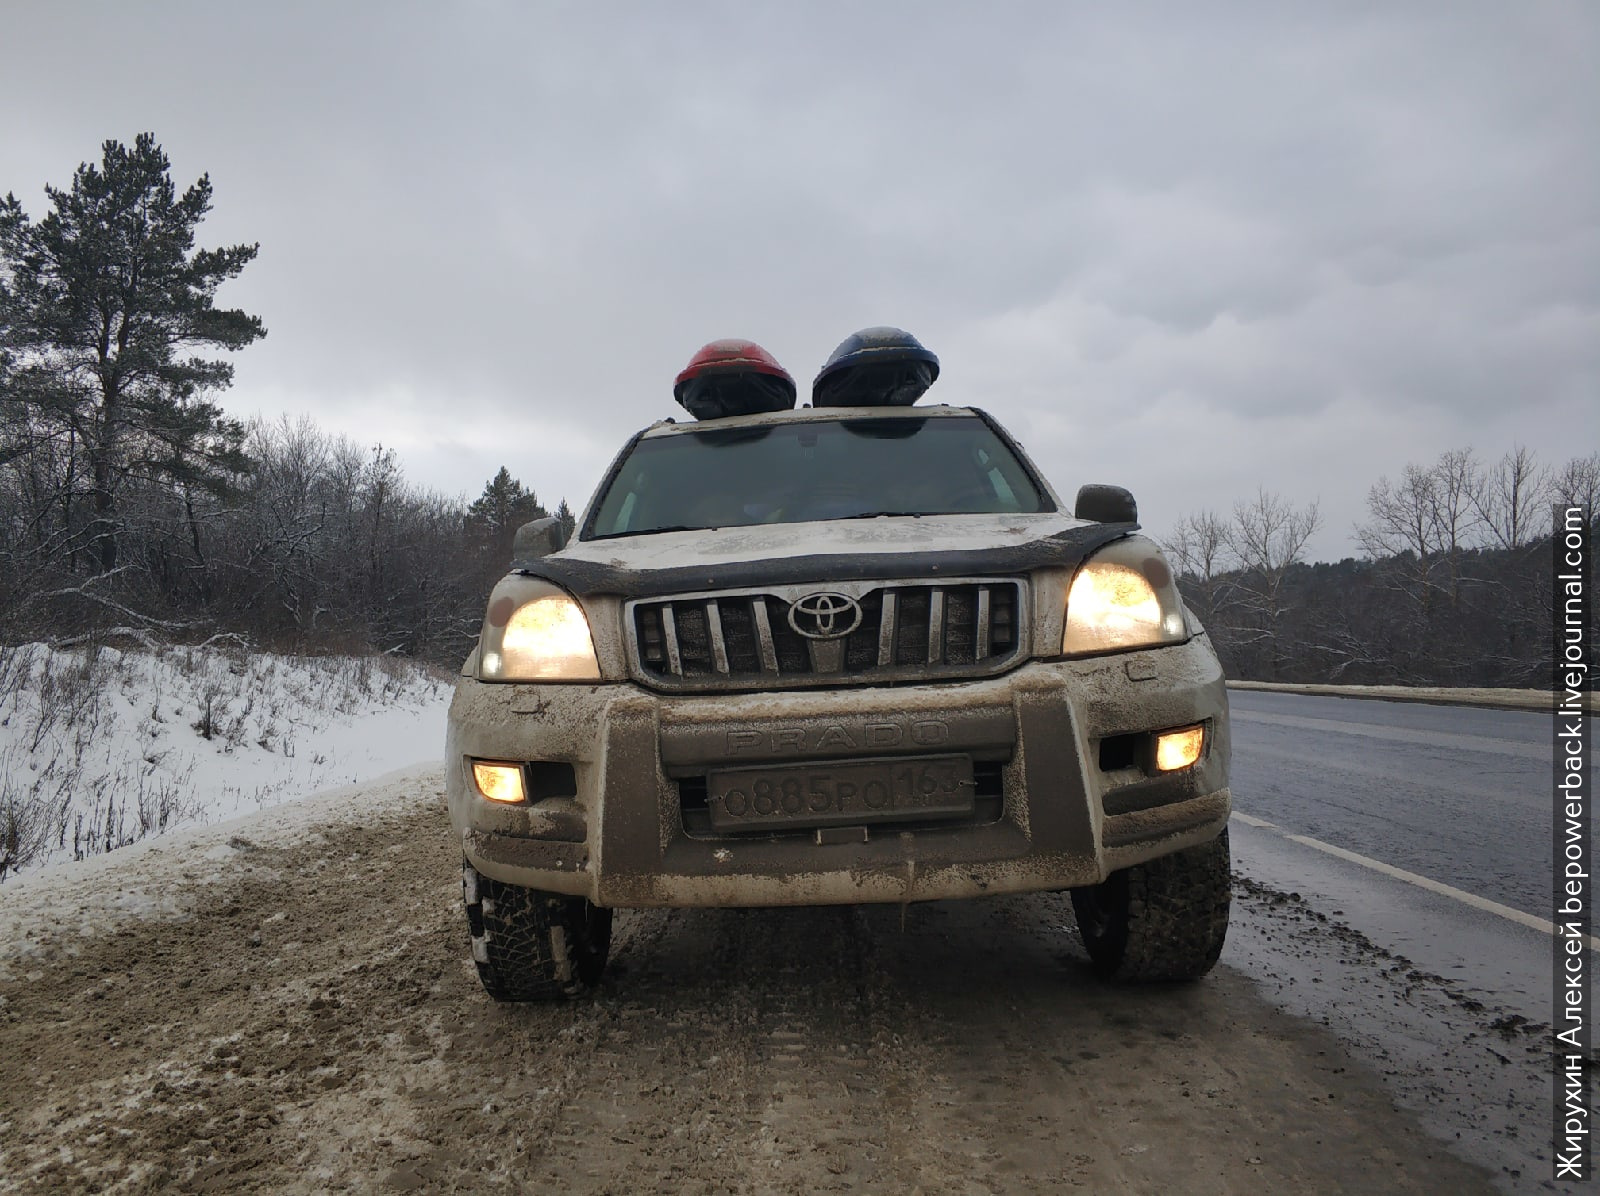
65, 691
160, 803
16, 670
33, 809
206, 724
103, 828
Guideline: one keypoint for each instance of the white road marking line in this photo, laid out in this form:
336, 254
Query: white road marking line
1446, 739
1422, 882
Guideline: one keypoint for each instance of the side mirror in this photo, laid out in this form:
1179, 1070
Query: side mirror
539, 538
1106, 504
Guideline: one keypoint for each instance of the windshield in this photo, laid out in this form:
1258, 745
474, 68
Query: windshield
816, 469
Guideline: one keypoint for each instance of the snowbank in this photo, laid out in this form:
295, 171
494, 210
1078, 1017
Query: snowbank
101, 748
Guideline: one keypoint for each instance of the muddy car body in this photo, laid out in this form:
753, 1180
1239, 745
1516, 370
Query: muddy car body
787, 700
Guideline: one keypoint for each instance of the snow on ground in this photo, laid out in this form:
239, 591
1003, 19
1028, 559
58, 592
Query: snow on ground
101, 748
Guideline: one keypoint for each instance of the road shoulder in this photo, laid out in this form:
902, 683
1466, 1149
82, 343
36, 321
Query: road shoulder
1498, 699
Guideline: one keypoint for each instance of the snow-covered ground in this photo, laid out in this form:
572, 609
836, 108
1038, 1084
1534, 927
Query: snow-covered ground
101, 748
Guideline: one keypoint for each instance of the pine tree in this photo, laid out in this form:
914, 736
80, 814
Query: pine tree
494, 517
102, 303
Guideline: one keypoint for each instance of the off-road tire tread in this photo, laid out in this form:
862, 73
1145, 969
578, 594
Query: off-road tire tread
528, 945
1170, 916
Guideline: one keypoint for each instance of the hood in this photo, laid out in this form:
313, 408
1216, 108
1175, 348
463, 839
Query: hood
836, 550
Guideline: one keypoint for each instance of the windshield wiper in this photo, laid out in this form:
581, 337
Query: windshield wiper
653, 531
887, 515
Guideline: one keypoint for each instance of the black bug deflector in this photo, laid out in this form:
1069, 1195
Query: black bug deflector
1064, 550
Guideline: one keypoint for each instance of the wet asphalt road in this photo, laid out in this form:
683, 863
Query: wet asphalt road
1451, 1002
1457, 794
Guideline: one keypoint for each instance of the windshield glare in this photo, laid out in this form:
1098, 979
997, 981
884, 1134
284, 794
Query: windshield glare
816, 469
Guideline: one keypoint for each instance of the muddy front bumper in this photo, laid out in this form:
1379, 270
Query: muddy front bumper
1066, 790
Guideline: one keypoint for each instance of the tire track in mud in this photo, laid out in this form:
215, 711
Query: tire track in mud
737, 1060
969, 1051
815, 1092
315, 1025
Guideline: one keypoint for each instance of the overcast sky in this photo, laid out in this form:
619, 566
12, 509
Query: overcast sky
1191, 249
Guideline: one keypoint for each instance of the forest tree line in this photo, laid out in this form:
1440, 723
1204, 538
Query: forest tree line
314, 545
1453, 587
317, 544
132, 505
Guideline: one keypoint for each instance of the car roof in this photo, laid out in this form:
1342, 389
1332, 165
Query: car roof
672, 427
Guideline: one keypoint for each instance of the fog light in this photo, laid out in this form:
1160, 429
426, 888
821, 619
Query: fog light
1180, 748
499, 782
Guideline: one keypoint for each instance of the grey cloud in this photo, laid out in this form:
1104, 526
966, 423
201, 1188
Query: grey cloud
1222, 234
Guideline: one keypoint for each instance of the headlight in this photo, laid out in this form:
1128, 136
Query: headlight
1122, 597
535, 632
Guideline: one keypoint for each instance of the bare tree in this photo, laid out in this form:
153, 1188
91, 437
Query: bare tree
1202, 554
1199, 545
1425, 522
284, 519
1457, 478
1578, 484
1267, 536
1510, 497
1401, 516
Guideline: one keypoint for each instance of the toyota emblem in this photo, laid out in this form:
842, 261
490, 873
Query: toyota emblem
825, 616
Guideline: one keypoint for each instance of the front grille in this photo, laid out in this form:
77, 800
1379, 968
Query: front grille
907, 631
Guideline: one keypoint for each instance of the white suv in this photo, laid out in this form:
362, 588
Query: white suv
837, 655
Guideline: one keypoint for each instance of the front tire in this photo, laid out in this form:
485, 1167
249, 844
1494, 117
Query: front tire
531, 945
1165, 919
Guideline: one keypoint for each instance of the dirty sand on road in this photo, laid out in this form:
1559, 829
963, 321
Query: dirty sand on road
300, 1015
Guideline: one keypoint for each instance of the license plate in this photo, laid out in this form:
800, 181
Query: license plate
844, 794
